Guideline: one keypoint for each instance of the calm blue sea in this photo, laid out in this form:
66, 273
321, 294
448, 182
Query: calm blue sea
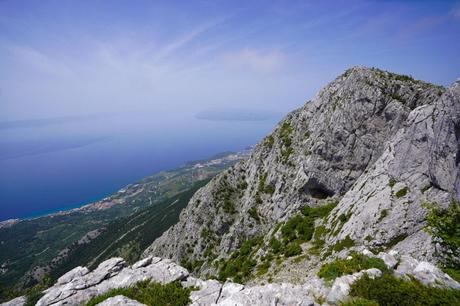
57, 164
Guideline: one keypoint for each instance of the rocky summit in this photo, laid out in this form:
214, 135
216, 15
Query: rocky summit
353, 199
378, 144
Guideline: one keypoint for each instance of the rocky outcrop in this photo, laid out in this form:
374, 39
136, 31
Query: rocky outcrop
335, 146
80, 285
420, 164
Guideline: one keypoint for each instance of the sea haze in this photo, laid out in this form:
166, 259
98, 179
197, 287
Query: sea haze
52, 164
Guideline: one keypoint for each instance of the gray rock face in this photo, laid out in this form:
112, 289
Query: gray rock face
418, 165
320, 150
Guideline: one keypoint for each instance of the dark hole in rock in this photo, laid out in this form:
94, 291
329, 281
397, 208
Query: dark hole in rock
316, 189
457, 135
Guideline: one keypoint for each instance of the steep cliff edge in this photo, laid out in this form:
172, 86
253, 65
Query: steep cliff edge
323, 153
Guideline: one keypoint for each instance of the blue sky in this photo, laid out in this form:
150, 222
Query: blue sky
61, 58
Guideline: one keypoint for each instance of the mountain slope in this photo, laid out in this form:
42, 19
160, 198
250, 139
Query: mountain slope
313, 157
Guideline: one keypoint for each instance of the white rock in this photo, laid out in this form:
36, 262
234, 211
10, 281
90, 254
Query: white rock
143, 262
208, 293
120, 300
389, 260
72, 274
367, 253
19, 301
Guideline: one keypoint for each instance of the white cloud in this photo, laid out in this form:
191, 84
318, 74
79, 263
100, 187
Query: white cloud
262, 61
455, 12
33, 58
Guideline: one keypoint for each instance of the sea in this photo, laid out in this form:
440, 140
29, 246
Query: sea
53, 164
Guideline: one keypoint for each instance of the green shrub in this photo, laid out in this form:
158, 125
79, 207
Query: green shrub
453, 272
401, 192
390, 290
339, 267
319, 211
298, 228
383, 214
240, 264
150, 293
445, 225
229, 207
391, 182
344, 244
359, 302
254, 214
269, 141
293, 249
275, 245
33, 296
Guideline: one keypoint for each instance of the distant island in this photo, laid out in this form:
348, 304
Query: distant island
237, 115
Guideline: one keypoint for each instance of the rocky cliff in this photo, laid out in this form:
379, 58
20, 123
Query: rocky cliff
377, 145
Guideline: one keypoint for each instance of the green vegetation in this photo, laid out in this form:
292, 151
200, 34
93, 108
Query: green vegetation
225, 195
339, 267
383, 214
263, 187
343, 244
444, 225
253, 213
150, 293
402, 192
299, 229
293, 249
285, 132
389, 290
359, 302
275, 245
269, 141
32, 294
391, 182
240, 264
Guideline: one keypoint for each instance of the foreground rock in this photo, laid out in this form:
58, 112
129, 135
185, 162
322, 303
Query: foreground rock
80, 285
120, 300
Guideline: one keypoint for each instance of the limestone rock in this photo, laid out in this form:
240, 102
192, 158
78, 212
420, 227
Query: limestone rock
120, 300
19, 301
271, 294
77, 288
208, 293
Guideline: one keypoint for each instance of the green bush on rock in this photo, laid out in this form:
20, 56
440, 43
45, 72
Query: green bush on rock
358, 262
150, 293
390, 290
